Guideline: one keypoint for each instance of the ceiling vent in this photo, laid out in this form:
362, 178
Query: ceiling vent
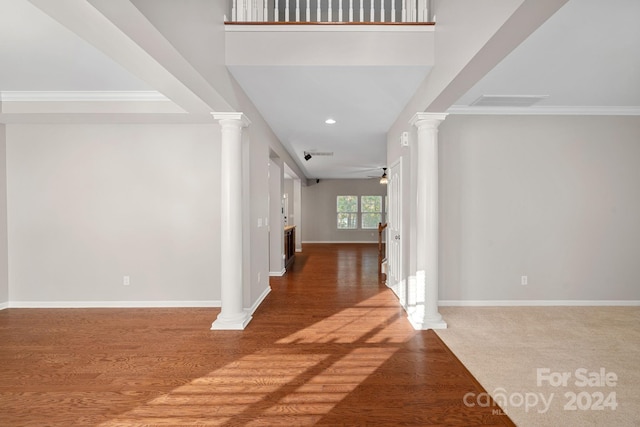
320, 153
508, 100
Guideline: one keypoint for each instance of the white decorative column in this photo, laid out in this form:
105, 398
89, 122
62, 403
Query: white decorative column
426, 315
232, 316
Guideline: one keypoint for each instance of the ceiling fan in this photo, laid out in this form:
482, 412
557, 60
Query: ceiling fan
383, 179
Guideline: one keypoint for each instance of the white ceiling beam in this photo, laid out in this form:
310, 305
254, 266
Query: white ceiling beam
122, 32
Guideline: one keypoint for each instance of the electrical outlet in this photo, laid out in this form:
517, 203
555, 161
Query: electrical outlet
126, 280
524, 280
404, 139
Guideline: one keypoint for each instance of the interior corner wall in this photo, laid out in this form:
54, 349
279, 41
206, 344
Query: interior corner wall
553, 198
319, 209
90, 204
4, 255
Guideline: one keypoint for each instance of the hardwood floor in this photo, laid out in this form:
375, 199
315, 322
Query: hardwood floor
329, 346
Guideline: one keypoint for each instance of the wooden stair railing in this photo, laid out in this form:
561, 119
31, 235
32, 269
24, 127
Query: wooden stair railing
381, 228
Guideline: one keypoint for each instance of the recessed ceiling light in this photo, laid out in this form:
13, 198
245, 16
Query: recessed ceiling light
330, 122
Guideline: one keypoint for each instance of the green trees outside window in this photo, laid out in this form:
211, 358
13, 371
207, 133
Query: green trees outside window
370, 212
371, 208
347, 207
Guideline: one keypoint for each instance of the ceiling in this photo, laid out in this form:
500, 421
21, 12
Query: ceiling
584, 59
364, 102
39, 54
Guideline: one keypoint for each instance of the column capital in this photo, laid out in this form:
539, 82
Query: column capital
432, 120
238, 116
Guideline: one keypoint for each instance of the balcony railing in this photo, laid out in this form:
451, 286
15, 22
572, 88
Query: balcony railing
331, 11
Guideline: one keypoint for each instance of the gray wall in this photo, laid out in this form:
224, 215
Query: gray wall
319, 209
276, 220
4, 279
88, 204
554, 198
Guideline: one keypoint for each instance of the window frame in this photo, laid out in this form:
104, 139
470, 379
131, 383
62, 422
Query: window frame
356, 217
378, 212
351, 215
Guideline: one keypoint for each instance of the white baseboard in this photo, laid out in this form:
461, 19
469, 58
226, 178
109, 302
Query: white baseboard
4, 305
342, 241
538, 303
278, 273
113, 304
256, 304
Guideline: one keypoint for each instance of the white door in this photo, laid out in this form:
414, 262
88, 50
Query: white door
394, 233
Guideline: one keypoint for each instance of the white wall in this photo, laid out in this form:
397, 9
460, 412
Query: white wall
554, 198
320, 46
4, 280
257, 282
196, 29
89, 204
319, 209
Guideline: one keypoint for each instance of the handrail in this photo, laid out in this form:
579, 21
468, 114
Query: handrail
381, 228
325, 11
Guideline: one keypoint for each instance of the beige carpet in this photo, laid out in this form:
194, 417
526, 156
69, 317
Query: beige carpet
505, 347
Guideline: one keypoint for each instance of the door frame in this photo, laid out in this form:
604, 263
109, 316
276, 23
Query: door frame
394, 232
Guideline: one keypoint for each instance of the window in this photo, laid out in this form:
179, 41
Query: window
365, 211
371, 208
347, 207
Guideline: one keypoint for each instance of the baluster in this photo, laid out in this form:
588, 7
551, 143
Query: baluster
340, 11
234, 15
286, 10
330, 12
319, 13
276, 13
404, 10
297, 10
350, 10
414, 11
308, 11
393, 10
361, 10
265, 11
382, 11
254, 10
373, 12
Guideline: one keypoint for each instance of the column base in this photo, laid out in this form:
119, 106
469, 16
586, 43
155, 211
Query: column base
424, 324
236, 323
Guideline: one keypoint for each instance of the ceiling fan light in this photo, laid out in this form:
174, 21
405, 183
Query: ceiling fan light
383, 178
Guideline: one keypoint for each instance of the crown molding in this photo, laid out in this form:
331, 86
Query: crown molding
547, 110
81, 96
